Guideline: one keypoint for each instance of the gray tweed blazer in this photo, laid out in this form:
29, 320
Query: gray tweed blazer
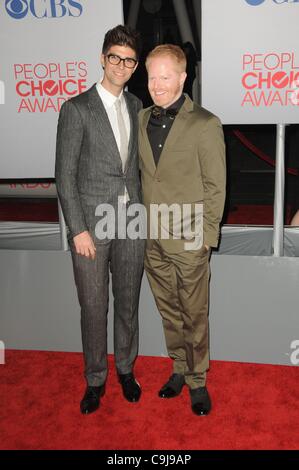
88, 168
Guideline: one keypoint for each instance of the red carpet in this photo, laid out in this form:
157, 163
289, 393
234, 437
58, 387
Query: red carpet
254, 407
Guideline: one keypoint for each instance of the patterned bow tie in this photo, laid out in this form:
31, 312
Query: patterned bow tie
158, 112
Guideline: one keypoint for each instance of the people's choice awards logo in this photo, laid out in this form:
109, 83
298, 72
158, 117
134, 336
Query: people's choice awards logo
18, 9
2, 92
31, 185
270, 79
45, 86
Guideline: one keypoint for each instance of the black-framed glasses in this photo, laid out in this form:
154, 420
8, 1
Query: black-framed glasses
114, 59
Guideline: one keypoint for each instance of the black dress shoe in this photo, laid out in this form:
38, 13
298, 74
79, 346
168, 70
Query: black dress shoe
200, 401
173, 387
131, 388
91, 400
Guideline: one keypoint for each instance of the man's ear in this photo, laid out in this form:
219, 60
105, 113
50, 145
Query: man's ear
135, 67
103, 61
183, 78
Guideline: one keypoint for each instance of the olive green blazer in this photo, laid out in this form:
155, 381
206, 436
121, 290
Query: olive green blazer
191, 168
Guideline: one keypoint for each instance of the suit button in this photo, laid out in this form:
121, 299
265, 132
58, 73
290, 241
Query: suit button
158, 180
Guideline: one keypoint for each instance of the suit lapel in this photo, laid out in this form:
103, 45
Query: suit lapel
98, 111
178, 129
133, 128
147, 153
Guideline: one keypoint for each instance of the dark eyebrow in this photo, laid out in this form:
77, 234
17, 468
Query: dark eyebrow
131, 58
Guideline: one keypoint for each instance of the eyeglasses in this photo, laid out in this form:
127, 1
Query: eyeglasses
114, 59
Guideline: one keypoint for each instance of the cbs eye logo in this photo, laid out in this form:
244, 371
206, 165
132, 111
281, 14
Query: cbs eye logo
17, 9
255, 2
278, 2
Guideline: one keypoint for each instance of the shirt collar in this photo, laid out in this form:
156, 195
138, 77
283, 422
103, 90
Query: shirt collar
159, 113
107, 97
178, 103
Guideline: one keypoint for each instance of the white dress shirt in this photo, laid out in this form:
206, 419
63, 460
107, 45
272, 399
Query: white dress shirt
108, 102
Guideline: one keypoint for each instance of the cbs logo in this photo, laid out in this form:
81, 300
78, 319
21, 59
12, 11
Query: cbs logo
18, 9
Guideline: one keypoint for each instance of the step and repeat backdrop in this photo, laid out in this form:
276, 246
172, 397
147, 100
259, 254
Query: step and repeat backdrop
250, 60
49, 51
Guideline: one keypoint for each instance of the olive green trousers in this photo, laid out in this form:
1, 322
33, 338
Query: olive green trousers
180, 285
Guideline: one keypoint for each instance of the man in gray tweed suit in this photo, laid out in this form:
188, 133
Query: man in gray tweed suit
96, 163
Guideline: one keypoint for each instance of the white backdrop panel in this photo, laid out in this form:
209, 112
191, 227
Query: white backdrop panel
49, 51
250, 60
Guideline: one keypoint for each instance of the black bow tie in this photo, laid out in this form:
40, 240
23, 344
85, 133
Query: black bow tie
158, 112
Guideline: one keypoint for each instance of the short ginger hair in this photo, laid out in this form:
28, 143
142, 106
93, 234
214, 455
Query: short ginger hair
169, 50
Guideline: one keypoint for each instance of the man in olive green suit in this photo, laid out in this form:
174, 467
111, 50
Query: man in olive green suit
182, 162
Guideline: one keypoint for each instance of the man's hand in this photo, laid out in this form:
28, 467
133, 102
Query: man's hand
84, 245
207, 247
